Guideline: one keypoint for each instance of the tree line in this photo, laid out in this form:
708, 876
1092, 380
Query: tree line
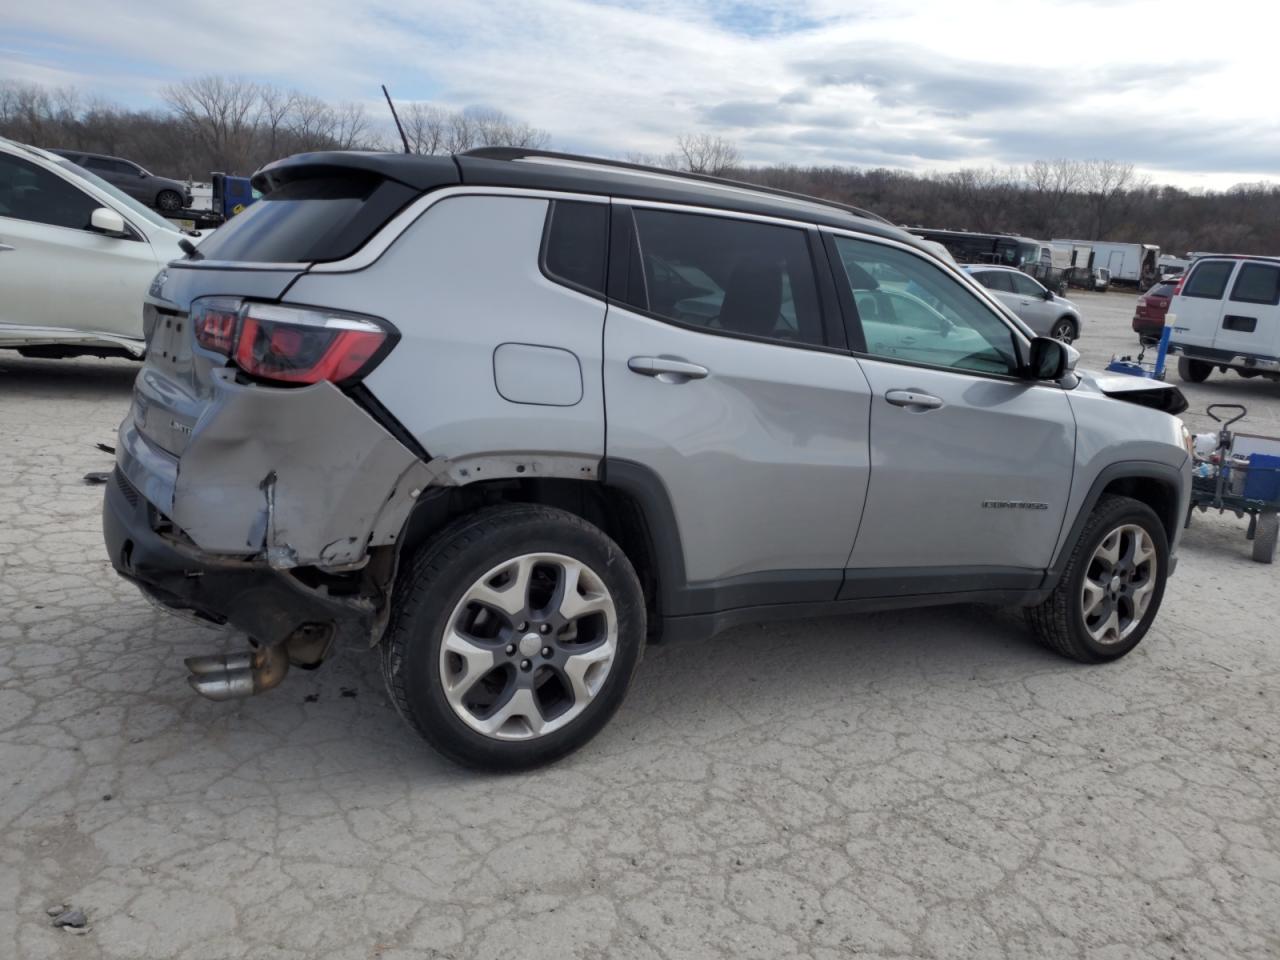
235, 125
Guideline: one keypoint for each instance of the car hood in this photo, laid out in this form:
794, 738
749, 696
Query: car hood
1140, 390
1063, 301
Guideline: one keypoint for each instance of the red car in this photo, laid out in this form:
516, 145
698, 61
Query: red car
1148, 318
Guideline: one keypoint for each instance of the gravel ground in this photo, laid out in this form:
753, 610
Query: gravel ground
917, 784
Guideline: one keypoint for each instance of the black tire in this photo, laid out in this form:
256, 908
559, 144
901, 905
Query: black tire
1194, 371
1264, 537
168, 201
1059, 621
433, 583
1064, 329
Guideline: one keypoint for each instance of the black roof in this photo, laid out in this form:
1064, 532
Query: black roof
544, 170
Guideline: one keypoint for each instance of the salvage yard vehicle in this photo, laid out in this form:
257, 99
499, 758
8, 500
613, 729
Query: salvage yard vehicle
508, 415
76, 258
1150, 311
1046, 313
159, 193
1226, 316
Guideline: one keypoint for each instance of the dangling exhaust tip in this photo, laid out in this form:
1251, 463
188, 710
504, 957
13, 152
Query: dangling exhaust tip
235, 675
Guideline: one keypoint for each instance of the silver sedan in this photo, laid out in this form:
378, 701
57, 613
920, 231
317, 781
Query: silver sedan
1038, 307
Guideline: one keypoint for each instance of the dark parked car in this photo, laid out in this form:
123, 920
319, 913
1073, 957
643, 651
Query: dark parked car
161, 193
1148, 318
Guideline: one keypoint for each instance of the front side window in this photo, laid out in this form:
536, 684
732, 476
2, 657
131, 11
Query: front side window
1257, 283
1025, 285
727, 276
912, 311
1209, 280
29, 192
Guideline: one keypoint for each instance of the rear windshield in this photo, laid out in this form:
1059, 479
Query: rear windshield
1162, 290
316, 219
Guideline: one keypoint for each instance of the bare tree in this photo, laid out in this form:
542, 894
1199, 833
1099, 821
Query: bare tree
274, 108
220, 113
1050, 182
351, 126
426, 127
705, 153
1105, 182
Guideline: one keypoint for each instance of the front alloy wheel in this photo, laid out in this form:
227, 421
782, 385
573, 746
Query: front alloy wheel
1118, 584
1064, 330
529, 646
1109, 590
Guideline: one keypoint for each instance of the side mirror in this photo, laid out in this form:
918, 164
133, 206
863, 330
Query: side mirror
1051, 359
106, 220
1048, 294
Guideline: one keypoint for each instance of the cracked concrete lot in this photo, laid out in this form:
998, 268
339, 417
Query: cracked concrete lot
917, 784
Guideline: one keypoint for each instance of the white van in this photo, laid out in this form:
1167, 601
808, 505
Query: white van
1225, 313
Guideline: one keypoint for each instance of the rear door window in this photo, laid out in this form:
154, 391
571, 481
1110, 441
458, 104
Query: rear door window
309, 220
995, 280
1208, 281
1257, 283
726, 275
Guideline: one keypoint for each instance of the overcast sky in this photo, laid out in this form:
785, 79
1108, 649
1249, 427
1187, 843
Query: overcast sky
1175, 87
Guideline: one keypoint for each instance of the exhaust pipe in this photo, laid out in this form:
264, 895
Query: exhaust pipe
229, 676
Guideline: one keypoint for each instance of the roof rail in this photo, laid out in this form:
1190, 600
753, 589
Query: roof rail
523, 153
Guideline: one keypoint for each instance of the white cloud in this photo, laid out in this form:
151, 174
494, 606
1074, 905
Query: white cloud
931, 84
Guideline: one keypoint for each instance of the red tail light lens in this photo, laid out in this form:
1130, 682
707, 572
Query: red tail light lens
296, 345
285, 344
214, 320
1181, 280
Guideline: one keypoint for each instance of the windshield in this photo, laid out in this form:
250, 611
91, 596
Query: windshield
118, 195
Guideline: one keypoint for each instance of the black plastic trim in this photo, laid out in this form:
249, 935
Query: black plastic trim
706, 625
879, 583
1122, 470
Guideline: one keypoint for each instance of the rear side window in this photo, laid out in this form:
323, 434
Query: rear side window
726, 276
1209, 280
575, 245
1257, 283
303, 221
995, 280
28, 192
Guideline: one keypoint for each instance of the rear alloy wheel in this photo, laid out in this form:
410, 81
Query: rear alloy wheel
1110, 590
1194, 371
168, 201
1064, 330
514, 636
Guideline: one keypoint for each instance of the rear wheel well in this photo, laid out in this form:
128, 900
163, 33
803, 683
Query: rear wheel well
611, 509
1156, 494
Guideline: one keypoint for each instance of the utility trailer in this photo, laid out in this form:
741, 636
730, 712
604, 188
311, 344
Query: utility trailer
1136, 264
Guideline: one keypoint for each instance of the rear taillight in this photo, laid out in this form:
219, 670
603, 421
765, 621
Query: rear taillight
1178, 289
297, 345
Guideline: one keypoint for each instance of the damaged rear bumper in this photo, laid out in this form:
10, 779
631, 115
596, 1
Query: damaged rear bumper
268, 604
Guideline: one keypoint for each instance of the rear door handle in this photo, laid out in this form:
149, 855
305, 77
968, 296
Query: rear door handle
913, 399
667, 369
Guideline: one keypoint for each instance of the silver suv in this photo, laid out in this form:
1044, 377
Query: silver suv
507, 415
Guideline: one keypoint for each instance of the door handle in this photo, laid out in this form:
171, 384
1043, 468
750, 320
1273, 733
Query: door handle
667, 369
913, 399
5, 247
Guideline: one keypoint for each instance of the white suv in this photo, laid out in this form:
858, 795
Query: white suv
1225, 313
76, 258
